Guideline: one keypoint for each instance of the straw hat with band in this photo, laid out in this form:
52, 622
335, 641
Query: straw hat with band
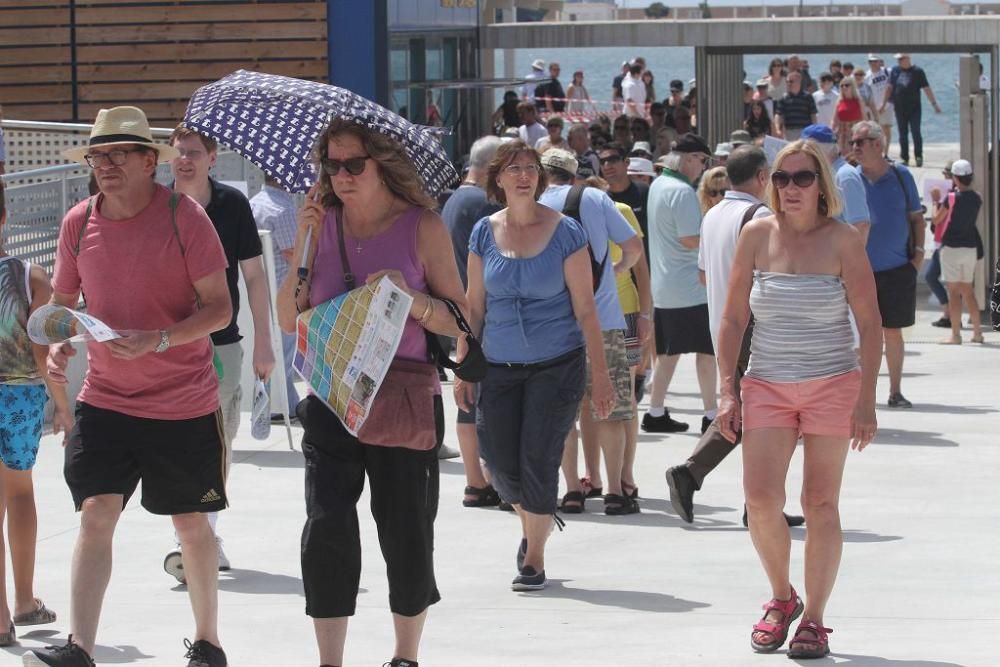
120, 126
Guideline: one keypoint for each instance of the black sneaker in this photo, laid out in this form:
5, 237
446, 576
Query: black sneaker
662, 424
897, 400
920, 162
400, 662
203, 654
70, 655
682, 488
705, 423
528, 580
942, 323
504, 506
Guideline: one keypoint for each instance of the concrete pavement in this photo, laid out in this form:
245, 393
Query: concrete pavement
918, 585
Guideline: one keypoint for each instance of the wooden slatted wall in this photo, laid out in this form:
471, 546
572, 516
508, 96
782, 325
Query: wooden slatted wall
152, 54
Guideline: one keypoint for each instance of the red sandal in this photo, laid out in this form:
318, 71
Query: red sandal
817, 645
790, 610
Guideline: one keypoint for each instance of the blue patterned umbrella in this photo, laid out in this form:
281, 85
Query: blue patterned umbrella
273, 121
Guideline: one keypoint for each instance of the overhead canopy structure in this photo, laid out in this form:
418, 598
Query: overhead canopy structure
720, 45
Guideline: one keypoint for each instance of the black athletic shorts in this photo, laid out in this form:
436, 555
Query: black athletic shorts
897, 296
682, 330
181, 463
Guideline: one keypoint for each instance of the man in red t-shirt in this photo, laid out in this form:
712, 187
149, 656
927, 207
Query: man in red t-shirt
151, 266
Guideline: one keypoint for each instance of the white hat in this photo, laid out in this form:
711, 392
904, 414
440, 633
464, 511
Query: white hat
642, 146
120, 126
900, 56
538, 64
557, 158
640, 166
872, 57
961, 168
723, 149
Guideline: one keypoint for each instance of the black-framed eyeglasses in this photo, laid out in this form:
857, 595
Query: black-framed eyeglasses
355, 166
117, 157
860, 142
802, 179
611, 159
715, 193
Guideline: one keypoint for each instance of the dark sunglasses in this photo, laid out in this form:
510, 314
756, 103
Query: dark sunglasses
612, 159
860, 142
802, 179
355, 166
716, 193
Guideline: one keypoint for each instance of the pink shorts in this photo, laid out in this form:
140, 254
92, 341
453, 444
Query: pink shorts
817, 407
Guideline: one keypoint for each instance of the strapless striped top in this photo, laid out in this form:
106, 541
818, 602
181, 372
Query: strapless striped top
802, 330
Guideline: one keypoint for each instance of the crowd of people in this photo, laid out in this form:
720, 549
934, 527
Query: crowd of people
780, 103
587, 264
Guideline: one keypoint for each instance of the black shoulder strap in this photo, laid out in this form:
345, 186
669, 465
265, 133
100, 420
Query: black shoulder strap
349, 281
83, 227
750, 213
572, 206
902, 185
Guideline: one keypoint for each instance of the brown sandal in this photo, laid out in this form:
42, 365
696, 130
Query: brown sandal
40, 615
8, 638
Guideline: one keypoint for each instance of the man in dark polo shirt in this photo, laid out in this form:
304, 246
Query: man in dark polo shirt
233, 220
795, 111
614, 169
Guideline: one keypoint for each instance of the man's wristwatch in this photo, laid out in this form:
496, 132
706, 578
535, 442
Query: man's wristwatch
164, 342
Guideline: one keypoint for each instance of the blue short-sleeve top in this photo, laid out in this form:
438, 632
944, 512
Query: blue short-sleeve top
529, 314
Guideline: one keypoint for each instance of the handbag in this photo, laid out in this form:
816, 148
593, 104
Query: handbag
940, 229
402, 412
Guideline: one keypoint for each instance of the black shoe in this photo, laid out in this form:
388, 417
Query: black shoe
905, 162
682, 488
920, 162
897, 400
793, 520
705, 423
942, 323
662, 424
528, 580
203, 654
505, 506
70, 655
640, 388
522, 551
400, 662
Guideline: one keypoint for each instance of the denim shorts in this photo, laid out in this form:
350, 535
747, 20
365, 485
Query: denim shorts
525, 413
22, 414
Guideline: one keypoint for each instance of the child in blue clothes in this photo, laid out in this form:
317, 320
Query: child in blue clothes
23, 376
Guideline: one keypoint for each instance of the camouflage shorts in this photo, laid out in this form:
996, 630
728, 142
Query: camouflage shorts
618, 369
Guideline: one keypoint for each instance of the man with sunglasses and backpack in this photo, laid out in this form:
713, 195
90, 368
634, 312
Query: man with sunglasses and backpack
895, 244
602, 222
145, 258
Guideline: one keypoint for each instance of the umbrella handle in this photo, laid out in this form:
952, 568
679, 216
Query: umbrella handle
303, 271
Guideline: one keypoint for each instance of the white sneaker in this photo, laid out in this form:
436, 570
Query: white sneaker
173, 565
223, 561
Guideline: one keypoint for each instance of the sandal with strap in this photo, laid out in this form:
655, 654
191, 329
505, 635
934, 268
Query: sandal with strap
589, 490
616, 505
40, 615
8, 638
572, 503
630, 490
814, 645
790, 610
481, 497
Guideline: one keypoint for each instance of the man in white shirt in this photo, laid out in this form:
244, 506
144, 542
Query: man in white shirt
826, 100
748, 173
537, 72
882, 110
531, 130
634, 92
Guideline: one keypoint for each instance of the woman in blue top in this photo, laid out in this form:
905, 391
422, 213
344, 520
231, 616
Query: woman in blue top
531, 296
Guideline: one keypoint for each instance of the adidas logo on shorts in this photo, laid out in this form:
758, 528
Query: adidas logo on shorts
211, 497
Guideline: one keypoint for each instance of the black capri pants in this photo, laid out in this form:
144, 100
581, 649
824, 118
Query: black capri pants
404, 503
525, 412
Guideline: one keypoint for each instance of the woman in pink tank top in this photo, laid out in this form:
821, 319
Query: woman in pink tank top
373, 191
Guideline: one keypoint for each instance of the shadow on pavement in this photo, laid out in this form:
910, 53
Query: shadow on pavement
850, 536
102, 654
898, 436
655, 512
634, 600
277, 458
873, 661
938, 408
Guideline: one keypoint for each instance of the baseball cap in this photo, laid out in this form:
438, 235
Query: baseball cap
640, 166
948, 166
691, 143
763, 83
961, 168
723, 149
900, 56
676, 84
557, 158
873, 58
538, 64
821, 134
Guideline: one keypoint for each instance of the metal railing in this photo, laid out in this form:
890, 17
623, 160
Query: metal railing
37, 199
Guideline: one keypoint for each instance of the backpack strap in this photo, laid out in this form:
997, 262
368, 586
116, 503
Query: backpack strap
571, 209
750, 213
83, 227
173, 220
911, 249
